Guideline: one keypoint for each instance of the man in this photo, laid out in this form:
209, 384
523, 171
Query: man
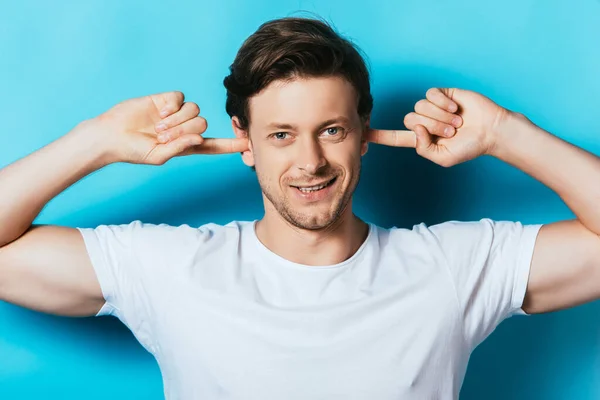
310, 302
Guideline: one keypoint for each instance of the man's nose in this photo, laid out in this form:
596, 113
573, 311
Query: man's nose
310, 157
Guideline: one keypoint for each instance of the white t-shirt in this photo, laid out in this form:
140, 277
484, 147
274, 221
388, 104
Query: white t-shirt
228, 319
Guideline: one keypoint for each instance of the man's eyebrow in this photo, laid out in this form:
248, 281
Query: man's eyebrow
276, 125
332, 121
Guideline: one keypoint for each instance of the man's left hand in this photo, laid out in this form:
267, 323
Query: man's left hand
450, 126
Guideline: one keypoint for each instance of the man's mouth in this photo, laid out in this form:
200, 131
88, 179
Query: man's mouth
314, 188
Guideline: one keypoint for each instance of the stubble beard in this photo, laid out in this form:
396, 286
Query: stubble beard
311, 221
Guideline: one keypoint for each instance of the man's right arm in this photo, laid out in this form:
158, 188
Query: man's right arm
47, 268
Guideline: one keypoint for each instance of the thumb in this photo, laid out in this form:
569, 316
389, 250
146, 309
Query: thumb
424, 144
164, 152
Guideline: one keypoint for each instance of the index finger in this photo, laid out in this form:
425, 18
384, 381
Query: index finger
220, 146
398, 138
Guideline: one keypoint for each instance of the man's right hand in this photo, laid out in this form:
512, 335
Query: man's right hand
153, 129
47, 268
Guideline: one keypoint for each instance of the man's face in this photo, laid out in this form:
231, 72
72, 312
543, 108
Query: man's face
306, 144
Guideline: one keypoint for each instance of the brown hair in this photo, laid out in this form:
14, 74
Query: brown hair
287, 48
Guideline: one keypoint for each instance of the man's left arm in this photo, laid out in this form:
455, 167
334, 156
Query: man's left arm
451, 126
565, 268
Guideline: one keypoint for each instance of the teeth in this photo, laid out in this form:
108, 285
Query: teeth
313, 188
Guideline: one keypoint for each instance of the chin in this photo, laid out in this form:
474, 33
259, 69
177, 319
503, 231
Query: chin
312, 221
312, 225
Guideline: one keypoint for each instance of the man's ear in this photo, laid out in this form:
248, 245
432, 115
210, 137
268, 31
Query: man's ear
364, 143
248, 155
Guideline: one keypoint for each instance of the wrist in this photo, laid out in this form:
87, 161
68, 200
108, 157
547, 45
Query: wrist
90, 138
507, 131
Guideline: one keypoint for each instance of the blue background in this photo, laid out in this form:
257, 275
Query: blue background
62, 62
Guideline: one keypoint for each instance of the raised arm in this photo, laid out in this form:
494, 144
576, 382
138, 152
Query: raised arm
565, 269
47, 268
451, 126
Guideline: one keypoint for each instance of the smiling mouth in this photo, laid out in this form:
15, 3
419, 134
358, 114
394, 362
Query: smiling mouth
315, 188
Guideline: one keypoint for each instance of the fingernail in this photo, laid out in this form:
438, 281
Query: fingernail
163, 137
448, 131
164, 112
161, 127
456, 121
453, 107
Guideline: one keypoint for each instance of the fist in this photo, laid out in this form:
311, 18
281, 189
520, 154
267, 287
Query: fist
454, 125
151, 129
449, 126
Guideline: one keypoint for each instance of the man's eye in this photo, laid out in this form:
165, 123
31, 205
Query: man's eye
332, 131
280, 135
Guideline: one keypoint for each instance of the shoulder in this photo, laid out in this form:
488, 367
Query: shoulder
140, 236
453, 233
462, 230
423, 229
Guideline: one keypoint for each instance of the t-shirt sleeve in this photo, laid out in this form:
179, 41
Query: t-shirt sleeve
136, 265
489, 262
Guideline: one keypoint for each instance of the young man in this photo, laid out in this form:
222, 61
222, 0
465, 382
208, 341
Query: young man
310, 302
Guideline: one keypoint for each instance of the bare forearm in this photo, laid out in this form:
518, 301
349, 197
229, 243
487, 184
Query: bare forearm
573, 173
31, 182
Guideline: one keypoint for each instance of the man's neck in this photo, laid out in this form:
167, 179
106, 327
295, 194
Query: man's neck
328, 246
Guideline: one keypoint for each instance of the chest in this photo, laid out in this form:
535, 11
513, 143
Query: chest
390, 344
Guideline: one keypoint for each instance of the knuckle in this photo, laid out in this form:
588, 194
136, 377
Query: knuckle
194, 108
431, 92
203, 124
194, 126
178, 96
420, 105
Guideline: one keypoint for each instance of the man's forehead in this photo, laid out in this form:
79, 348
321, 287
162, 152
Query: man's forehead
301, 101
